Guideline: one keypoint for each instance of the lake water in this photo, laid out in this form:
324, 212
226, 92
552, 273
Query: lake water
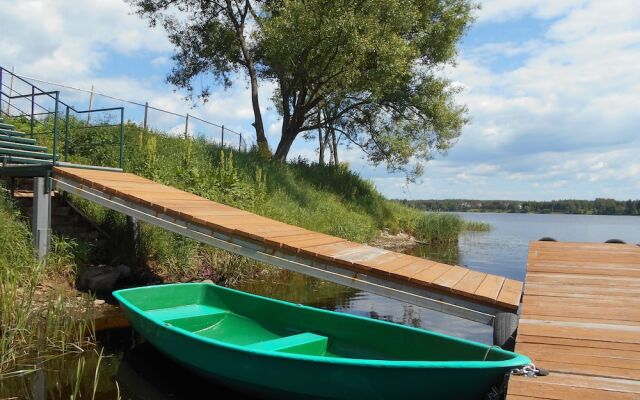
143, 373
502, 250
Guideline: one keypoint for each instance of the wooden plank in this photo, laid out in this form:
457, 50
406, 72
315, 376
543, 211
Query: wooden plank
470, 282
601, 319
451, 277
430, 274
581, 320
559, 350
412, 269
526, 386
298, 245
576, 330
177, 204
490, 287
510, 293
596, 344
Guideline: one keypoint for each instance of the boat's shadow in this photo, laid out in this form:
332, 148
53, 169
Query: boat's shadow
146, 374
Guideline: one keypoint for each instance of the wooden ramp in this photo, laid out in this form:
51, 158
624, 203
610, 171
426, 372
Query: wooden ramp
580, 319
452, 289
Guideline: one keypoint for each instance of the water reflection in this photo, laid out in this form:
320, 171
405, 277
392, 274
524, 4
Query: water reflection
130, 371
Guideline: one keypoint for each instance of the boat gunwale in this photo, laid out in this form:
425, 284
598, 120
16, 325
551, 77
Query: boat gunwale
513, 362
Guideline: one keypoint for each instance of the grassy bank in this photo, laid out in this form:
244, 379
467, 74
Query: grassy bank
328, 199
35, 324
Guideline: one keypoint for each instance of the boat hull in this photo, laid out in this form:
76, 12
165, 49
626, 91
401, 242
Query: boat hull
295, 373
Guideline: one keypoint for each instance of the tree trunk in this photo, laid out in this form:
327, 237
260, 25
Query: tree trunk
334, 146
261, 139
284, 146
321, 143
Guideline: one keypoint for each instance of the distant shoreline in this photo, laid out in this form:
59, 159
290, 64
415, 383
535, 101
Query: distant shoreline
568, 207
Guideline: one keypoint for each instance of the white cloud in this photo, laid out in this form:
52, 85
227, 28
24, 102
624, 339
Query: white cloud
69, 38
554, 114
501, 10
564, 116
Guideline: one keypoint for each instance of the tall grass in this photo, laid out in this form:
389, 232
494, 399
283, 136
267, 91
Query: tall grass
33, 327
328, 199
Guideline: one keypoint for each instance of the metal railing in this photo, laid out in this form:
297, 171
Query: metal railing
13, 94
221, 134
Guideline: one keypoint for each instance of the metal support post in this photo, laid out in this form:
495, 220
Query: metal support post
122, 138
13, 70
186, 127
66, 135
222, 142
134, 225
55, 129
1, 72
41, 220
33, 103
146, 114
90, 105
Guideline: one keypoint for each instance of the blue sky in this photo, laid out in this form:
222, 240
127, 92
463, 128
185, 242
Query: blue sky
553, 89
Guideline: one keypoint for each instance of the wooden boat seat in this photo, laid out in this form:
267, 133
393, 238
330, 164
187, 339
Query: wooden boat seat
303, 343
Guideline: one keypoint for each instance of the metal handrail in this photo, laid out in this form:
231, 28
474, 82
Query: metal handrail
56, 96
148, 107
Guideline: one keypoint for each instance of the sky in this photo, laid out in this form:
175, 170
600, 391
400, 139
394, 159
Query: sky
552, 87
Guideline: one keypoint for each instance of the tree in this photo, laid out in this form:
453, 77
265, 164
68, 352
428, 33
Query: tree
212, 37
370, 68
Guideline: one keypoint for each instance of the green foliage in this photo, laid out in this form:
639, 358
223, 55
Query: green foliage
598, 206
32, 326
373, 67
328, 199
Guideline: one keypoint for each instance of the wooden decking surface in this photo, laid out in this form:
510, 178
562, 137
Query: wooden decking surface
580, 319
476, 286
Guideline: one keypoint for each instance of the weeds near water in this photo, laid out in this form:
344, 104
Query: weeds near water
33, 325
327, 199
476, 226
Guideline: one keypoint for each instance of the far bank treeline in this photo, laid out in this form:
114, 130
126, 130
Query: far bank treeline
598, 206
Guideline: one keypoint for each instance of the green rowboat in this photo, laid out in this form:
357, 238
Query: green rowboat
276, 349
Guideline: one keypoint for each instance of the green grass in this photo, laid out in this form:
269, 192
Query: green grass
33, 327
328, 199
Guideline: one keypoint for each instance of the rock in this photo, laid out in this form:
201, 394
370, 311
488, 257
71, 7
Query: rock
207, 281
98, 279
98, 302
125, 271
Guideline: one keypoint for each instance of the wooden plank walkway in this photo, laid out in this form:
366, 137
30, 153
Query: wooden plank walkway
477, 287
580, 319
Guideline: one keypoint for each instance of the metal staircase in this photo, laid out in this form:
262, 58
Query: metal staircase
21, 156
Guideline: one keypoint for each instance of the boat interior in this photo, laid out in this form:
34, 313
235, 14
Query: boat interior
266, 325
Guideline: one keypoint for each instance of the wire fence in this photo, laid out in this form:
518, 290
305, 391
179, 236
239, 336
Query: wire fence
144, 114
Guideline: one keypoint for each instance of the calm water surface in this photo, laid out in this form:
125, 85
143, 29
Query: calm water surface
143, 373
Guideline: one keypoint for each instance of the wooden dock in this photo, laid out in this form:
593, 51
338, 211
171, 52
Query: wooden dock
453, 289
580, 319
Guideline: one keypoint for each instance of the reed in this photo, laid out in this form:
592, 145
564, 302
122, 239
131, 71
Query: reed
328, 199
33, 327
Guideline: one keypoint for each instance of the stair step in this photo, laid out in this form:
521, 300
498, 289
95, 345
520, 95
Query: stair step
11, 132
17, 139
26, 154
22, 146
23, 160
7, 126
